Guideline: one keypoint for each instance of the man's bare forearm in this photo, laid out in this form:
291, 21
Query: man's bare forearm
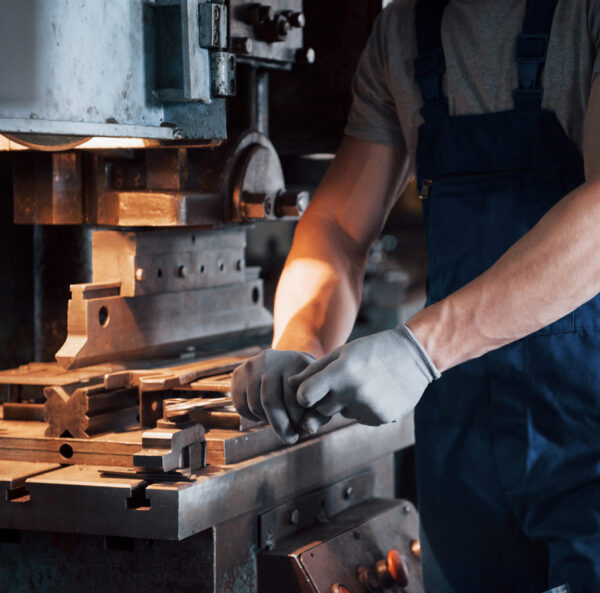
319, 291
318, 294
548, 273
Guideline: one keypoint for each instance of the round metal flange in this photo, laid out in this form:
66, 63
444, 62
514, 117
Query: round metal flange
253, 177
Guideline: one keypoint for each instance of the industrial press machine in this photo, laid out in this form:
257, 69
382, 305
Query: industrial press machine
140, 137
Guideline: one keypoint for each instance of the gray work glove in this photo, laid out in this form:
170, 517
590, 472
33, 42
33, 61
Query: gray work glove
374, 380
260, 391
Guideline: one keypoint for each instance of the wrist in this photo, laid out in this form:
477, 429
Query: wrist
309, 345
430, 328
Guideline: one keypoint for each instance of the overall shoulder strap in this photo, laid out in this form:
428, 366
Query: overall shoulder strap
429, 63
531, 51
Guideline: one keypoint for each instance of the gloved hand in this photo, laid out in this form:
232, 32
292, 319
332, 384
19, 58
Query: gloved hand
260, 391
375, 380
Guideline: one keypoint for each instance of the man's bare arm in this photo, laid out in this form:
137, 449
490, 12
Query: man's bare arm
548, 273
319, 291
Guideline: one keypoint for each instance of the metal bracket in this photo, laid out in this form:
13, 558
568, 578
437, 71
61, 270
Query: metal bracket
313, 508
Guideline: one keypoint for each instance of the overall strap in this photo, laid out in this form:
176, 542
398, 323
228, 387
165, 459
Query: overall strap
530, 55
429, 63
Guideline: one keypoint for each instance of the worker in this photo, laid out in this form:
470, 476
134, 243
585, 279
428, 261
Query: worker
496, 108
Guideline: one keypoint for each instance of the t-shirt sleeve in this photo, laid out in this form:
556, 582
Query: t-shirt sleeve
594, 25
373, 115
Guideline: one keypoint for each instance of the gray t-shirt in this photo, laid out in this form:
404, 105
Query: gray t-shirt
479, 45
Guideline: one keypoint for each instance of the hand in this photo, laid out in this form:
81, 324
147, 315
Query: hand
260, 391
374, 380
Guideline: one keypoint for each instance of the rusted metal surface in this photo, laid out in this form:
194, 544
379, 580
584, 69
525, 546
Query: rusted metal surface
51, 373
159, 293
26, 441
169, 447
68, 499
350, 549
23, 411
48, 187
86, 411
104, 328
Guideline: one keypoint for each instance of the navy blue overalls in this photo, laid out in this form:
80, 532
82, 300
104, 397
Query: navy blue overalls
508, 445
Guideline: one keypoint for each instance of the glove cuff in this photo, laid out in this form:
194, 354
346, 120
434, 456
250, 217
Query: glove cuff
405, 331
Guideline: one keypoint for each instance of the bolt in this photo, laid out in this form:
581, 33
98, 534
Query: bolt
181, 271
298, 20
217, 13
406, 509
284, 27
306, 55
348, 492
295, 517
270, 541
268, 206
139, 274
242, 45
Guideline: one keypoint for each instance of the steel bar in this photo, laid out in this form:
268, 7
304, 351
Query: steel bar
105, 328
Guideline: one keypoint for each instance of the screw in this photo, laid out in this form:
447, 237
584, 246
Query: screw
181, 271
139, 274
306, 55
348, 492
270, 541
406, 509
295, 517
298, 20
268, 206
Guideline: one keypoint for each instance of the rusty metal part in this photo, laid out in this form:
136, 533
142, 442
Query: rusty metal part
86, 411
22, 441
105, 326
157, 293
168, 187
331, 552
180, 408
274, 25
314, 508
26, 442
23, 411
256, 186
78, 499
169, 376
169, 447
13, 477
215, 384
148, 262
227, 447
51, 373
48, 187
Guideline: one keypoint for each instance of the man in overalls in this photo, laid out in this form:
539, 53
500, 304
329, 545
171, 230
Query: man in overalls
504, 362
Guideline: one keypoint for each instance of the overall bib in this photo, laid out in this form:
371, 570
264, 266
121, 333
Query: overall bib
508, 445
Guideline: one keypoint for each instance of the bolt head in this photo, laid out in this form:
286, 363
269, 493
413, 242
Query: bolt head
348, 492
306, 55
295, 517
139, 274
